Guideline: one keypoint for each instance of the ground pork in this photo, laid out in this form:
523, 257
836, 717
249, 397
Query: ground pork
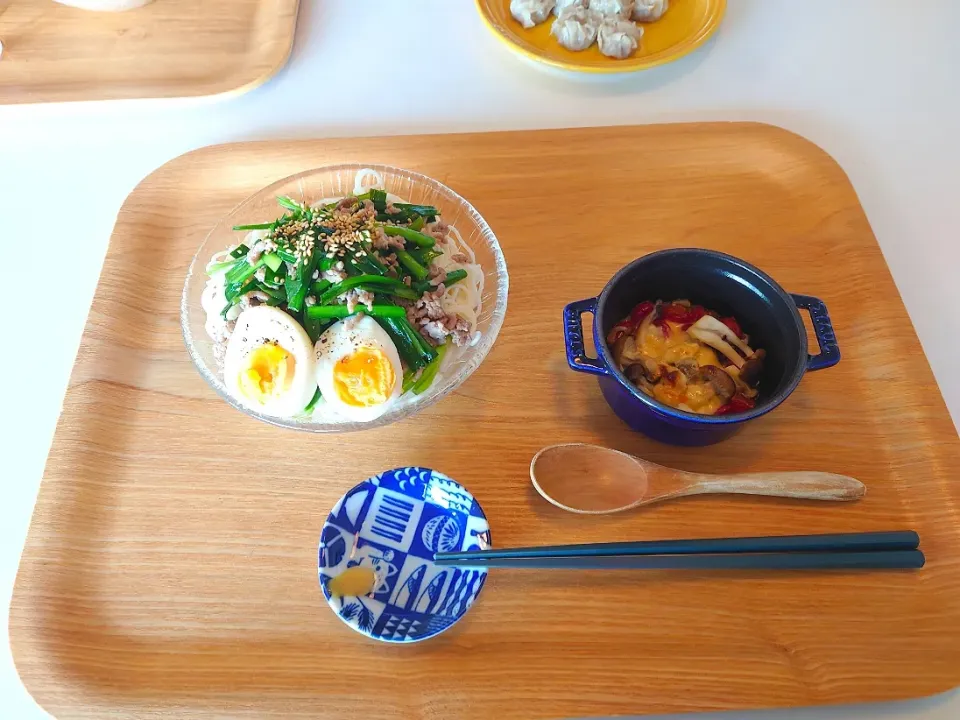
351, 322
382, 241
335, 275
358, 297
393, 266
252, 299
434, 323
437, 230
259, 248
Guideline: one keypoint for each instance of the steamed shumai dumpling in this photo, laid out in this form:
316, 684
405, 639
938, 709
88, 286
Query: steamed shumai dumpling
531, 12
649, 10
576, 28
618, 38
619, 8
562, 5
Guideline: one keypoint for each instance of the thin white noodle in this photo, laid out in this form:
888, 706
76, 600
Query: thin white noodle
359, 184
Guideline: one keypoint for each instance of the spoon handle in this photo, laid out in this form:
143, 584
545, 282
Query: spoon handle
804, 485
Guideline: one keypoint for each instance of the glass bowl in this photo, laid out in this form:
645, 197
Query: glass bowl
338, 181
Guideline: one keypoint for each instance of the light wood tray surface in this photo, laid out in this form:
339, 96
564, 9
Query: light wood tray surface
170, 48
171, 562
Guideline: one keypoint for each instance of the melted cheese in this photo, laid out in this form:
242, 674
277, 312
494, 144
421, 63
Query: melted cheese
677, 346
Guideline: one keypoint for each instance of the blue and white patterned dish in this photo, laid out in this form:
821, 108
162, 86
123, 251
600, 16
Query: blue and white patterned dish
394, 523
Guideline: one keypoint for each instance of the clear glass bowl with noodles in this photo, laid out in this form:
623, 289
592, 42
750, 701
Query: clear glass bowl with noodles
338, 181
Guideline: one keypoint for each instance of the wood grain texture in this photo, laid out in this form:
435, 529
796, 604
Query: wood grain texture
169, 48
171, 563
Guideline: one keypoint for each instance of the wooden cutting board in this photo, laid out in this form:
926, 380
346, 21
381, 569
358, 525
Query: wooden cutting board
170, 568
169, 48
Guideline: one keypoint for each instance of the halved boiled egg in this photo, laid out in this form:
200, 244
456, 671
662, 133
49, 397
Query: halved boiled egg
358, 369
269, 365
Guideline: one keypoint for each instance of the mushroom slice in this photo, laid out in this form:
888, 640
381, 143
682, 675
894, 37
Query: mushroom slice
711, 324
723, 385
750, 372
689, 367
645, 367
620, 347
717, 343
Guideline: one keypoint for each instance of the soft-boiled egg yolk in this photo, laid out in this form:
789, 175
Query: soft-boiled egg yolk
266, 373
364, 378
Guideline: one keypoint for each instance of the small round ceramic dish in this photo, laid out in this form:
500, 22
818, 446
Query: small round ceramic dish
394, 523
685, 26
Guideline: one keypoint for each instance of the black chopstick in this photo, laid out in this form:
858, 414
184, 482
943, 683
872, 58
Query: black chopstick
841, 542
880, 560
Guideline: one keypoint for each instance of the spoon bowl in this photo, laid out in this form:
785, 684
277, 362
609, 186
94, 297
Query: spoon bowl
594, 480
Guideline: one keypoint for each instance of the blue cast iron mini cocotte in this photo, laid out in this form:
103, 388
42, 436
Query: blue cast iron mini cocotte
719, 282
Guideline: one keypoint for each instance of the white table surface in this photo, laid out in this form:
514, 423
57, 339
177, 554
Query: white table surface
874, 82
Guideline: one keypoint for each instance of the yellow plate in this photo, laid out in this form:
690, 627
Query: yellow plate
684, 27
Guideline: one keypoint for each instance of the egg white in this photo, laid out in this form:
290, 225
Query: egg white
339, 341
258, 326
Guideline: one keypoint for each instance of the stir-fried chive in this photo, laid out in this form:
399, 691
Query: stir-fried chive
287, 256
425, 349
272, 261
408, 353
299, 282
239, 251
415, 268
454, 276
243, 270
425, 211
319, 286
233, 293
373, 260
430, 371
217, 267
424, 256
377, 281
363, 196
403, 291
340, 311
315, 327
256, 226
418, 223
290, 204
313, 402
276, 294
417, 238
379, 199
275, 278
410, 378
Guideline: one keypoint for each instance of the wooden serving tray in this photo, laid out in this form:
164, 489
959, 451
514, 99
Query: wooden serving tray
170, 48
171, 563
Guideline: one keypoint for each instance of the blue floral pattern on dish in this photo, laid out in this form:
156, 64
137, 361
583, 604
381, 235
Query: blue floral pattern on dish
394, 523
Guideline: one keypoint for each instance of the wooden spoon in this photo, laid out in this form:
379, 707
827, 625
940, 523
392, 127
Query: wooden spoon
594, 480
